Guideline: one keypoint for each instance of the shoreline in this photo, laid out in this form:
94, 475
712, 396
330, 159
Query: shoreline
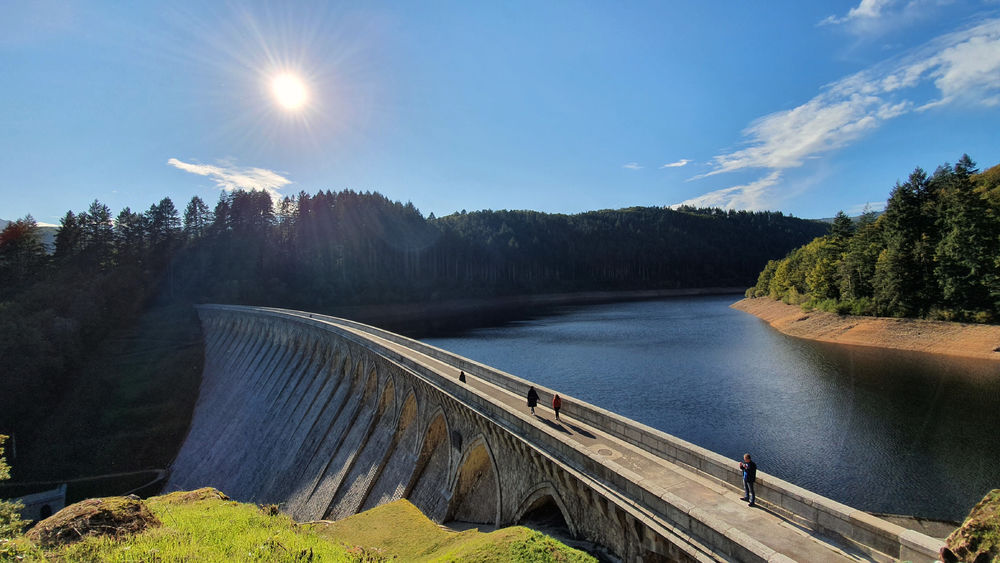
917, 335
420, 319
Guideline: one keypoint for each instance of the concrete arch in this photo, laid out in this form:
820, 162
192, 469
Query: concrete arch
477, 486
408, 412
387, 399
391, 475
541, 497
427, 486
431, 418
362, 449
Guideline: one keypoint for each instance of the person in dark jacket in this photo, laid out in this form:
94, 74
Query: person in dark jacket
749, 469
532, 399
556, 405
461, 376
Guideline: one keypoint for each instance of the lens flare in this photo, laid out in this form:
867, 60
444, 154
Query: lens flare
289, 91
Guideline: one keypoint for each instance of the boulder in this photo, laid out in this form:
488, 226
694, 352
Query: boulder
978, 539
111, 516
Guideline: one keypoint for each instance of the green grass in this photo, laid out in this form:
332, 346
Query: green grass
202, 526
208, 529
399, 529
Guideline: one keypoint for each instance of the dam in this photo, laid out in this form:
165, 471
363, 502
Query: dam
327, 417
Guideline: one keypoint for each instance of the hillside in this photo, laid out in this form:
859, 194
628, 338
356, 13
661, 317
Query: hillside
204, 525
930, 255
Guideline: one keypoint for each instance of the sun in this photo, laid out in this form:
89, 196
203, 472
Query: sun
289, 90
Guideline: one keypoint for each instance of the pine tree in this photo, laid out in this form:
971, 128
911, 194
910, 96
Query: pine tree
197, 218
98, 235
69, 237
843, 226
964, 257
901, 273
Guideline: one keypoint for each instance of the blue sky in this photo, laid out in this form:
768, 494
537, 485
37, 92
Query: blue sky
802, 107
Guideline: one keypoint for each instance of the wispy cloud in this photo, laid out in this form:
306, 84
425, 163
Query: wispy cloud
228, 177
860, 208
632, 166
678, 164
866, 10
876, 17
958, 68
754, 196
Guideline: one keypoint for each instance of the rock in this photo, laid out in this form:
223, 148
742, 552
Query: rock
184, 497
978, 539
111, 516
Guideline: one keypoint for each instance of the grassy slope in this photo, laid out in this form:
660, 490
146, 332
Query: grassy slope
399, 529
201, 526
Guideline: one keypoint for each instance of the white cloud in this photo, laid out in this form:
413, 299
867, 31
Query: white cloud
876, 17
228, 177
632, 166
678, 164
958, 68
860, 208
867, 9
754, 196
962, 67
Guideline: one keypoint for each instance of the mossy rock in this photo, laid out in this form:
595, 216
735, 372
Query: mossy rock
112, 516
185, 497
978, 540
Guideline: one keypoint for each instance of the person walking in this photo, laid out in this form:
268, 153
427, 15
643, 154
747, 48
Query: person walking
749, 469
556, 405
461, 376
532, 399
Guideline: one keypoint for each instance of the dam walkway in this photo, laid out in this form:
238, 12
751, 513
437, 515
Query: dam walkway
354, 416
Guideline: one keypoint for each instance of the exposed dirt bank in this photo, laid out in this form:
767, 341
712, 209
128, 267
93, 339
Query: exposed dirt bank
935, 337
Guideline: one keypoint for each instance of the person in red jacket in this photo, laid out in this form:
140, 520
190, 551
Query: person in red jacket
556, 405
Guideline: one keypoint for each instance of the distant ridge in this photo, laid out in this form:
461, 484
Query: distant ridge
47, 231
854, 218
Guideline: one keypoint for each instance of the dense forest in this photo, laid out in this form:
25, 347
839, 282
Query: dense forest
934, 253
66, 309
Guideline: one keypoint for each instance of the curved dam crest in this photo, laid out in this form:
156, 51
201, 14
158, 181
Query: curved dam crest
328, 417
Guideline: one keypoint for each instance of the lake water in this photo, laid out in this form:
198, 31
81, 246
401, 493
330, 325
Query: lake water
883, 431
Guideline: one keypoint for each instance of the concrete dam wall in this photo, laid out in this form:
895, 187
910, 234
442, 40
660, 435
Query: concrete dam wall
327, 417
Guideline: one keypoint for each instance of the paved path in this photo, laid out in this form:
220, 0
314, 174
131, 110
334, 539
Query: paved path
706, 493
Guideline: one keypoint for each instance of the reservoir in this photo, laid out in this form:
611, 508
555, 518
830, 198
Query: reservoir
885, 431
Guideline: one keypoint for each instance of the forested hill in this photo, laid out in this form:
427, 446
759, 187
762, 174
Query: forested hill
336, 248
934, 253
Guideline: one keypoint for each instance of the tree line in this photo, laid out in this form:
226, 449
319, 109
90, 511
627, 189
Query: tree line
932, 254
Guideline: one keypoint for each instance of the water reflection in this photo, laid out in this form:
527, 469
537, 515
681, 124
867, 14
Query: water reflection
884, 431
